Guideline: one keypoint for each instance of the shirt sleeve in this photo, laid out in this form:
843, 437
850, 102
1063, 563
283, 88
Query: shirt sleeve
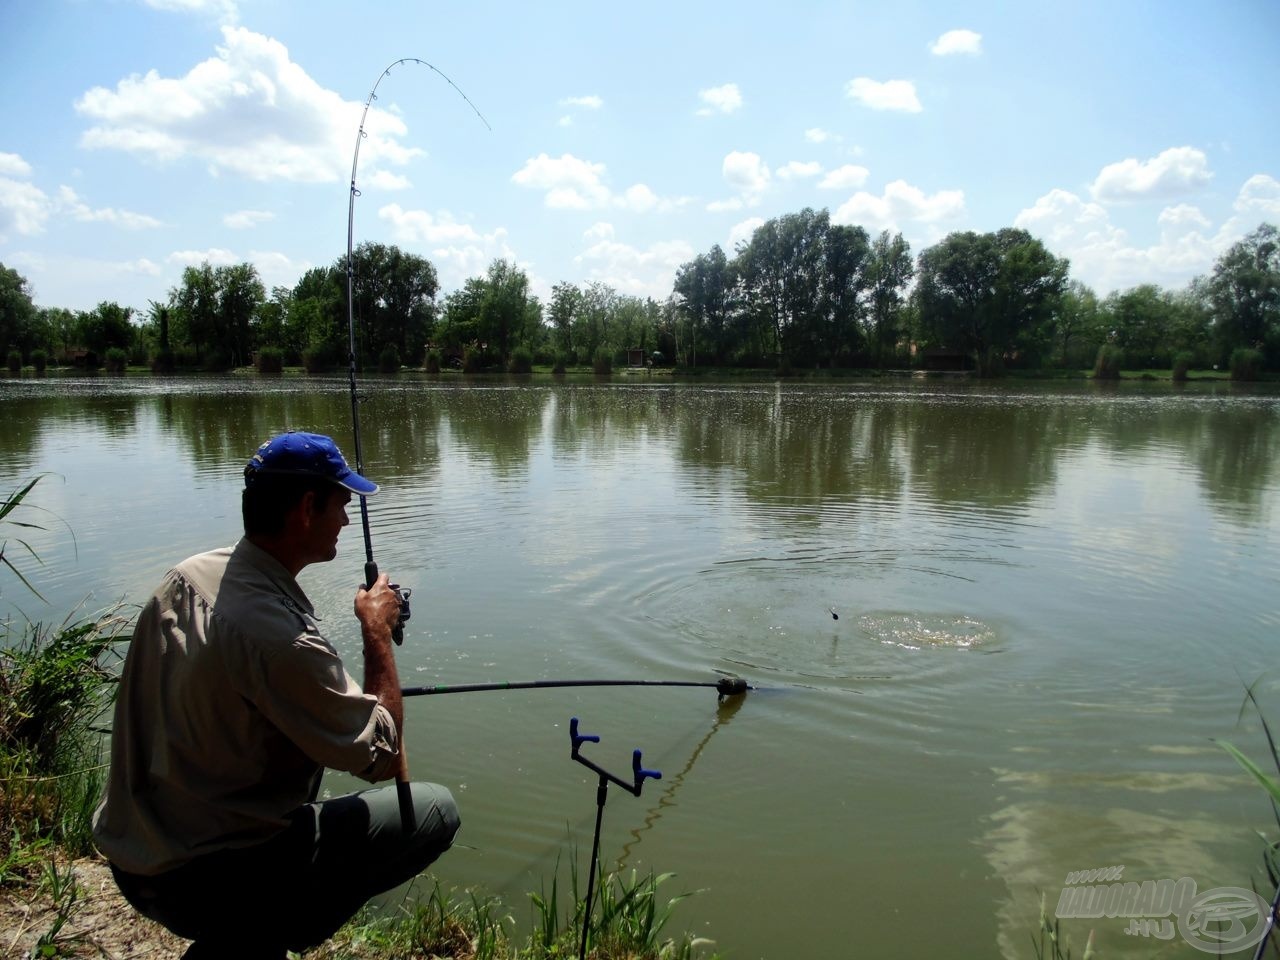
312, 699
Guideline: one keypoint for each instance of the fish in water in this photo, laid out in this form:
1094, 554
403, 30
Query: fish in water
834, 615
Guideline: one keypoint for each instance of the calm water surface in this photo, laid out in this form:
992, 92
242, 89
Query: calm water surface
1049, 601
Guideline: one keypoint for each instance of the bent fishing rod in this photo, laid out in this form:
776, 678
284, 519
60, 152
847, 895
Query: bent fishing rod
403, 794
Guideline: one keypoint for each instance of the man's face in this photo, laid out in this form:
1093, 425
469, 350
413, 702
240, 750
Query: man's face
327, 520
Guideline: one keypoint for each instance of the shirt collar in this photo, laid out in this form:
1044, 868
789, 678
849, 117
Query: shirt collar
274, 570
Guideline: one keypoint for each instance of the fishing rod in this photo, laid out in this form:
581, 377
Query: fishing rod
405, 797
725, 686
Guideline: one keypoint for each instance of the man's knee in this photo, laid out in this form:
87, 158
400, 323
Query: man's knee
436, 813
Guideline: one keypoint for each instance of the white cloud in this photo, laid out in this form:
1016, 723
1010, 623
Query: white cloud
77, 209
574, 184
565, 121
638, 198
747, 173
225, 11
1178, 170
817, 135
1259, 196
12, 165
798, 170
957, 41
849, 177
246, 219
141, 266
24, 208
643, 273
386, 180
569, 183
889, 95
900, 202
1103, 256
591, 102
741, 232
599, 231
725, 99
458, 250
721, 206
249, 111
278, 269
214, 256
1183, 214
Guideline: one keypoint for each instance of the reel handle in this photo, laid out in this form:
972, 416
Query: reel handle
370, 578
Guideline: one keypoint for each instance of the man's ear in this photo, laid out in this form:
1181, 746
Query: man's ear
307, 509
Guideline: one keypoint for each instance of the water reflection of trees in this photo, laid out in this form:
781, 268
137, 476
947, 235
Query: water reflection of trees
987, 453
498, 426
805, 446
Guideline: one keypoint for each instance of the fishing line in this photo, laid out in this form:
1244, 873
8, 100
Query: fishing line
405, 797
724, 713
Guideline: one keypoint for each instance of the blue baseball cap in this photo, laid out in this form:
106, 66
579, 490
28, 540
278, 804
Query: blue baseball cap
307, 455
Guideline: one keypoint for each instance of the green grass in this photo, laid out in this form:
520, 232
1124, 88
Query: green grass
627, 924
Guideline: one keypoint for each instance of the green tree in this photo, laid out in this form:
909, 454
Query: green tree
460, 322
846, 256
63, 328
107, 326
889, 270
991, 294
595, 320
17, 312
270, 328
1078, 327
394, 296
566, 302
316, 321
764, 279
240, 294
504, 308
193, 306
1244, 291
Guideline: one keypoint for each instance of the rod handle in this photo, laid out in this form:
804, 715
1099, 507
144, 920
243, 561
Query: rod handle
370, 578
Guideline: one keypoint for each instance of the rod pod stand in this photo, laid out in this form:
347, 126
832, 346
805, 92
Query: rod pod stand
638, 777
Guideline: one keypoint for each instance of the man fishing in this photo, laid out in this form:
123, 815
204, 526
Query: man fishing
231, 705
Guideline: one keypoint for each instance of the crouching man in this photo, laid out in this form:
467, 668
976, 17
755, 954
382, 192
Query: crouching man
232, 704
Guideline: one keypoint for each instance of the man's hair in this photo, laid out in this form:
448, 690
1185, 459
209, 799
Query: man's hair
268, 498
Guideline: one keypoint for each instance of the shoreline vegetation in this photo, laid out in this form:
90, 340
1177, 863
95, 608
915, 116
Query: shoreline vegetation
542, 373
803, 293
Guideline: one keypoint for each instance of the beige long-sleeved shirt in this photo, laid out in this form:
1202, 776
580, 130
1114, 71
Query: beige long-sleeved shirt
230, 706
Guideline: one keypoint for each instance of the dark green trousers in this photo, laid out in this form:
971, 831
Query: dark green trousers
294, 891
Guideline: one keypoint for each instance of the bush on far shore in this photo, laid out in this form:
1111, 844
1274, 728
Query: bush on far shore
116, 360
1181, 364
269, 360
521, 361
1246, 363
1110, 360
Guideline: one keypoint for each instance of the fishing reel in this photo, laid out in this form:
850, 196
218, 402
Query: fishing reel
397, 632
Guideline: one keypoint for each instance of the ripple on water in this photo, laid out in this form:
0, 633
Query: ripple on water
920, 631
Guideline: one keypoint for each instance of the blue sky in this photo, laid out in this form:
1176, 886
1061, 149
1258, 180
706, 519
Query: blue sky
141, 136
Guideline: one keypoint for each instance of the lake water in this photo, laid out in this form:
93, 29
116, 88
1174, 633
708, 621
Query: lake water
1049, 602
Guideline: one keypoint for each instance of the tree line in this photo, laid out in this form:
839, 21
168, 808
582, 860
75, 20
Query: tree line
802, 292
